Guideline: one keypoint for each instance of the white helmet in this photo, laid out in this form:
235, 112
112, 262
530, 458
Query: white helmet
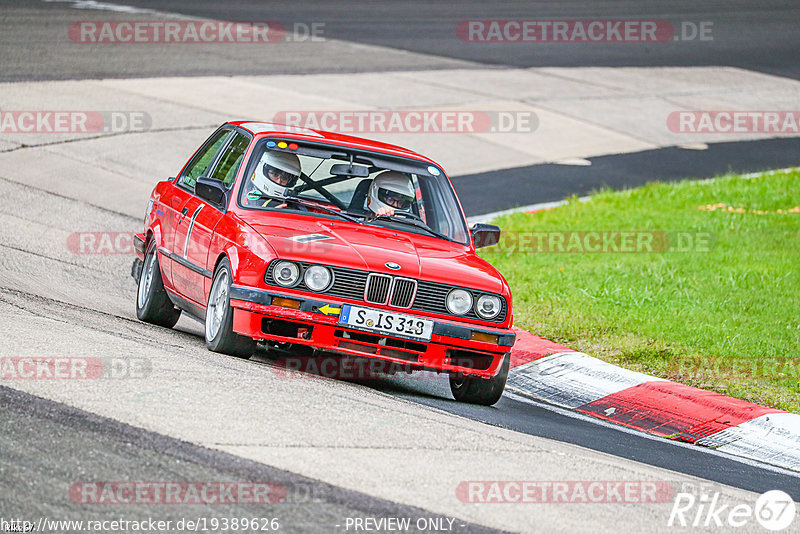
276, 172
392, 189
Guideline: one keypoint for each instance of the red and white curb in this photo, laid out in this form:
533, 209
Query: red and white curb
546, 371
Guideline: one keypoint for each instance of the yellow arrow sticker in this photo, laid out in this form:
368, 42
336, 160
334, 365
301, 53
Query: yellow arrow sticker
328, 310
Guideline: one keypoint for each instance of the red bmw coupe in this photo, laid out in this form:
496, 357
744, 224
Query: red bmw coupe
295, 237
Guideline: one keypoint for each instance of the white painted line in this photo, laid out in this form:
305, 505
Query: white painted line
751, 175
575, 162
770, 173
572, 379
103, 6
554, 204
694, 146
772, 438
530, 207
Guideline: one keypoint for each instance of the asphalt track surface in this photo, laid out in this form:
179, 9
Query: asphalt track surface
756, 36
760, 38
35, 430
91, 448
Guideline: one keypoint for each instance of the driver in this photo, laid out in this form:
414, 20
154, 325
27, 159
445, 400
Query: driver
390, 191
276, 172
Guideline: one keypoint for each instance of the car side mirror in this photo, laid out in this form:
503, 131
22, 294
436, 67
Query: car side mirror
211, 190
485, 235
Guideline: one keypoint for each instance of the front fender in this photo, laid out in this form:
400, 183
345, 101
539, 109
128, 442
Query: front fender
246, 250
155, 233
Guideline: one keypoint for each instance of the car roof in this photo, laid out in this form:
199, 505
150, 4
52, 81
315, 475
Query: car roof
260, 128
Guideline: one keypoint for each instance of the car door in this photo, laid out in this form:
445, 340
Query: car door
193, 275
181, 208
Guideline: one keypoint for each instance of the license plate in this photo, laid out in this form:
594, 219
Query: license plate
389, 323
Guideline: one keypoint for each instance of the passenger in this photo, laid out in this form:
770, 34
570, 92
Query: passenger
276, 172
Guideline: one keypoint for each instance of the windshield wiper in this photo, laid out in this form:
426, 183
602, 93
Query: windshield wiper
308, 203
413, 221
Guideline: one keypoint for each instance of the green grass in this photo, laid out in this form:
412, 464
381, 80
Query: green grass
726, 319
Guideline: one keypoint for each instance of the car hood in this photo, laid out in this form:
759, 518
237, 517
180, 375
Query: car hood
369, 248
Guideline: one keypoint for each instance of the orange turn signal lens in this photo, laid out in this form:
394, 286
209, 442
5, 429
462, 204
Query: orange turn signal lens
286, 303
486, 338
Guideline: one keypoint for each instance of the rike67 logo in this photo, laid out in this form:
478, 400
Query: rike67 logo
774, 510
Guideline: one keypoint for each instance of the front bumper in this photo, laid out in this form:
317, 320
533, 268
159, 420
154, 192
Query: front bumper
138, 261
139, 245
452, 347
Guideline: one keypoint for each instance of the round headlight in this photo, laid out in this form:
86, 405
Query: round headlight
317, 278
488, 306
459, 301
286, 273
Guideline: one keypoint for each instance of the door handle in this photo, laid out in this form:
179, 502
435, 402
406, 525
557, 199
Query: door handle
184, 211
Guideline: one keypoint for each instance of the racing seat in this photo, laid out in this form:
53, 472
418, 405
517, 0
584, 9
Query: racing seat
360, 196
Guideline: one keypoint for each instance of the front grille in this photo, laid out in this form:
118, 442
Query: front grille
347, 283
403, 292
378, 287
431, 297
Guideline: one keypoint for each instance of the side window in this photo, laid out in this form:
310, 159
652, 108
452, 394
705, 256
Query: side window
202, 160
231, 159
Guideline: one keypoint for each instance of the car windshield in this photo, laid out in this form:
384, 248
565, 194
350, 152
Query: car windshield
331, 181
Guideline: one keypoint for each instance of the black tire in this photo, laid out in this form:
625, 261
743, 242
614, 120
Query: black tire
152, 302
220, 336
476, 390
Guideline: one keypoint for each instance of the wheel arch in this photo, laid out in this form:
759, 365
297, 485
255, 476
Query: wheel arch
153, 233
221, 256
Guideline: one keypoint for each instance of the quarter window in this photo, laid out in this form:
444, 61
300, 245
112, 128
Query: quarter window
203, 159
231, 159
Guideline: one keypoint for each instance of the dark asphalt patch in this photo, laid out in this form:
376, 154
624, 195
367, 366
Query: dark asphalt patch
509, 188
47, 447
